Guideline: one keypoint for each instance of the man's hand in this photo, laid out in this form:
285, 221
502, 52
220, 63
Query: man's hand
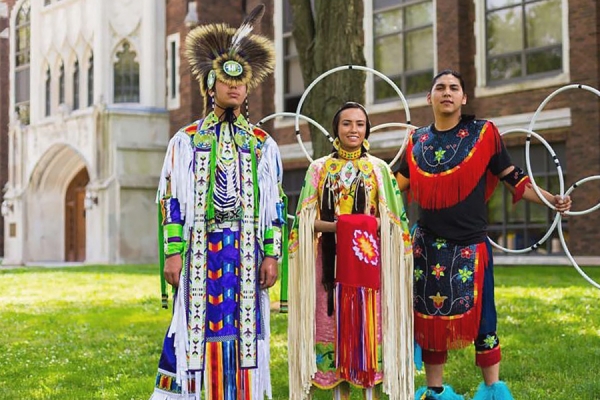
562, 203
268, 272
172, 271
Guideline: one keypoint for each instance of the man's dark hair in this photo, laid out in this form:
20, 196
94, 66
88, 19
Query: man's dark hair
452, 72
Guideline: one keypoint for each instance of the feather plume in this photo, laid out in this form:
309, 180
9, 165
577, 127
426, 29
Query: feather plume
246, 27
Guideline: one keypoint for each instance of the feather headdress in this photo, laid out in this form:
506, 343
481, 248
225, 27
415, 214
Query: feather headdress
233, 56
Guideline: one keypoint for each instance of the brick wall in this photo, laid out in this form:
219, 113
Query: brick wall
583, 142
189, 91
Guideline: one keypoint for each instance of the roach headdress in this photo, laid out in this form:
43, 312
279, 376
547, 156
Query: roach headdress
233, 56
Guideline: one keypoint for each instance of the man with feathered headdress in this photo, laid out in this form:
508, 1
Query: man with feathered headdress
222, 211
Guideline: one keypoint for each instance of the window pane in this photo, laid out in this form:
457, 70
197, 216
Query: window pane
504, 31
419, 15
293, 77
290, 47
544, 25
290, 103
378, 4
388, 55
537, 158
544, 61
504, 67
287, 16
418, 83
173, 67
419, 49
516, 212
48, 92
22, 85
384, 90
90, 84
495, 215
387, 22
126, 76
493, 4
61, 85
538, 214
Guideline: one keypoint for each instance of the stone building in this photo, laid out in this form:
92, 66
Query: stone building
87, 129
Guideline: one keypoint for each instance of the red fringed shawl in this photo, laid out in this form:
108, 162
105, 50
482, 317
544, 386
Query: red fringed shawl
446, 189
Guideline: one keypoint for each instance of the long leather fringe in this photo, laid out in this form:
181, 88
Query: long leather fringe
397, 310
302, 300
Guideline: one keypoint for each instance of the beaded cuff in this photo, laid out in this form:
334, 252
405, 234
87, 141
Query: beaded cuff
272, 242
173, 242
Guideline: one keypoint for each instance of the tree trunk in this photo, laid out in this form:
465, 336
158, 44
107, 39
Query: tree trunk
328, 36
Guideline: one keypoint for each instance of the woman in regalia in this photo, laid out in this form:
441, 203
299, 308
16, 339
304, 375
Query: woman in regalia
350, 310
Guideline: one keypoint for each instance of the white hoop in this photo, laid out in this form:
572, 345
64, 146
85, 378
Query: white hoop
342, 68
291, 114
556, 161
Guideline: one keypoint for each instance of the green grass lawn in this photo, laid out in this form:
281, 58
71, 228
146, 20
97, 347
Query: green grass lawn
95, 333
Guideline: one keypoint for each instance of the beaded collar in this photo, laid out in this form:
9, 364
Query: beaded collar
349, 155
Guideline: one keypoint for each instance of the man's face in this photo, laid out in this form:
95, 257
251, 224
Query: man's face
446, 96
229, 96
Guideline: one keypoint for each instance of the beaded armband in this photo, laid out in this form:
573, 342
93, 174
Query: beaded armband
173, 239
517, 179
272, 242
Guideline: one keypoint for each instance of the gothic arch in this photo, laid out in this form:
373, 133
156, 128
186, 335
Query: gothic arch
45, 203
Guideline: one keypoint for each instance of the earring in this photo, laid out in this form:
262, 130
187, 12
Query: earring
336, 144
212, 102
366, 145
247, 110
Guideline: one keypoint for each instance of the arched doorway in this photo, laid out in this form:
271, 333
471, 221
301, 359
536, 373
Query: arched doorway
75, 217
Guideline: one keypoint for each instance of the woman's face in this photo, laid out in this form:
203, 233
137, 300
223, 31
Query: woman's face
352, 128
229, 96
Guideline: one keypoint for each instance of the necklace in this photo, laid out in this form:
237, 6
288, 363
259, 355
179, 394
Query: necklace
349, 155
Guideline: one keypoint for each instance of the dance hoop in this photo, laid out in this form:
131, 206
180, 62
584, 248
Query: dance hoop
338, 69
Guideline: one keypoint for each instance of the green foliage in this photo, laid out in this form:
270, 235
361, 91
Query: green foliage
96, 333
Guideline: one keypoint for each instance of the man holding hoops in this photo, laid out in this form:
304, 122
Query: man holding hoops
451, 168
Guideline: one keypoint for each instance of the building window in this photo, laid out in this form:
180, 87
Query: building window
76, 85
524, 39
48, 93
403, 46
22, 59
293, 81
524, 224
126, 76
61, 84
90, 81
173, 71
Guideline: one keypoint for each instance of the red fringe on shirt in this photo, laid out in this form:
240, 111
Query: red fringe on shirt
446, 189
